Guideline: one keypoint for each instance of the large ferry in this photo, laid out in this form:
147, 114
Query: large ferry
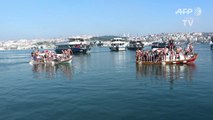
77, 45
118, 44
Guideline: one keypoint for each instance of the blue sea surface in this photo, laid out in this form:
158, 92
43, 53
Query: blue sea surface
105, 85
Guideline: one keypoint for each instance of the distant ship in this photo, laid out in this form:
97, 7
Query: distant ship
157, 45
135, 44
100, 43
77, 45
118, 44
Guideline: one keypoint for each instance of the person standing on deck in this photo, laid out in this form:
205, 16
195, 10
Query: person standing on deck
191, 48
165, 52
137, 55
171, 47
171, 44
178, 50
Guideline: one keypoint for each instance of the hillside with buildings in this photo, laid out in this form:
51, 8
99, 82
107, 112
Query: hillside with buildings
23, 44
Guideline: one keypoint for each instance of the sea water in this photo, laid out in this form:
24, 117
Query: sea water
105, 85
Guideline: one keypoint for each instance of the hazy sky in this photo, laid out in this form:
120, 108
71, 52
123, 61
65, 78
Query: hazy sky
55, 18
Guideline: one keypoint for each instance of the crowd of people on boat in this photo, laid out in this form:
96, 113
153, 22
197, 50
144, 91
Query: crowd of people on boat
168, 53
49, 56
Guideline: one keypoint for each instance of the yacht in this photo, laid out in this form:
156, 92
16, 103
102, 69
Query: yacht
118, 44
77, 45
135, 44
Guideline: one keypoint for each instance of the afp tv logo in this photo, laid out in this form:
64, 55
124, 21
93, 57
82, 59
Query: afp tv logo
196, 12
187, 11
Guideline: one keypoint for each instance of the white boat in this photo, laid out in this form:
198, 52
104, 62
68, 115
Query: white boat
77, 45
118, 44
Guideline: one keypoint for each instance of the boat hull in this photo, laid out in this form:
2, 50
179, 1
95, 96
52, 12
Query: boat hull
74, 50
185, 61
54, 62
117, 48
134, 48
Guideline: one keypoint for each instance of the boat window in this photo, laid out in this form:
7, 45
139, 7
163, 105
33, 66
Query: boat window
63, 46
71, 46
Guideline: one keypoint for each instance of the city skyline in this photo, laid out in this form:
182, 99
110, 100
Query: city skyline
52, 18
